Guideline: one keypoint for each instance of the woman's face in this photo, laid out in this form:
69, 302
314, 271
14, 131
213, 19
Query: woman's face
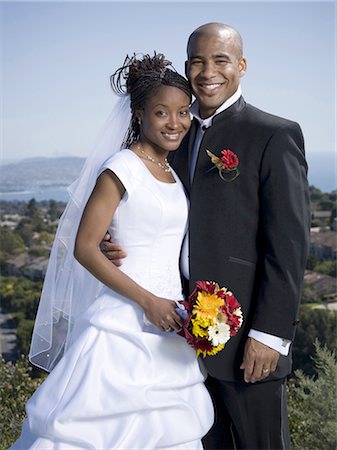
165, 119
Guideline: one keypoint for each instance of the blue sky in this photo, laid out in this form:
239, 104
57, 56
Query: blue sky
57, 58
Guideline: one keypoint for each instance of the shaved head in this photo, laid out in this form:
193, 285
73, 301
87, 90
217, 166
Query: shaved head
227, 33
214, 65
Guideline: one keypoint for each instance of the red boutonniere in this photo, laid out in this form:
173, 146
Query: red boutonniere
227, 164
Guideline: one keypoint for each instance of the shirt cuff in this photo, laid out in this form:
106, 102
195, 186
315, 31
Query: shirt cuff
275, 342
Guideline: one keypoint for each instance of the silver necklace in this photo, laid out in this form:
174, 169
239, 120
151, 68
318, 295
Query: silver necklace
165, 165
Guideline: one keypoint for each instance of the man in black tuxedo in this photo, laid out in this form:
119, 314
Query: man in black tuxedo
249, 231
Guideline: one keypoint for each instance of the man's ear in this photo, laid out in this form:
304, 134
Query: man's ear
242, 66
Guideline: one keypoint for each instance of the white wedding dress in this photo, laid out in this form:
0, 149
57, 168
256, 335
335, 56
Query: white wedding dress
123, 384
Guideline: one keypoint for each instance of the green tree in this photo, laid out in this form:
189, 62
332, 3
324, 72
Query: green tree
326, 267
54, 211
26, 231
20, 297
315, 193
333, 215
11, 242
38, 250
32, 209
24, 335
325, 204
311, 262
312, 404
20, 294
16, 387
314, 324
309, 295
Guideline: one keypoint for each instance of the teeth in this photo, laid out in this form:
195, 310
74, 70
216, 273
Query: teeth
210, 87
171, 136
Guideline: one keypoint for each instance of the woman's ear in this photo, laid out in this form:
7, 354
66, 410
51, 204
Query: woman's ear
139, 115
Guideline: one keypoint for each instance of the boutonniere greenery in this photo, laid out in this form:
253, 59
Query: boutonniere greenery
227, 164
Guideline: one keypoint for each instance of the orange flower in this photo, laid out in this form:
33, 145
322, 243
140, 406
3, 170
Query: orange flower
207, 305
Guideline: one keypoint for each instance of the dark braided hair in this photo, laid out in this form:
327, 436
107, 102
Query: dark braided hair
140, 78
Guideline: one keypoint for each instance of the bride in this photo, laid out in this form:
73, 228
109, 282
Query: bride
120, 377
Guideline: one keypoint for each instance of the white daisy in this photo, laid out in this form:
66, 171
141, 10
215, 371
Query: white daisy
219, 333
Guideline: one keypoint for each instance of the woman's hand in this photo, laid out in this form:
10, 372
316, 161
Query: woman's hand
161, 312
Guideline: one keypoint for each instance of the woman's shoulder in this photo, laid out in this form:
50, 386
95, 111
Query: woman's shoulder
126, 165
124, 156
125, 159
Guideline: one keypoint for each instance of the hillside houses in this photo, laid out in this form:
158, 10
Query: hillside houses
32, 267
323, 245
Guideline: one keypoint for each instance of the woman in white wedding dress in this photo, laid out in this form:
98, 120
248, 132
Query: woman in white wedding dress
121, 377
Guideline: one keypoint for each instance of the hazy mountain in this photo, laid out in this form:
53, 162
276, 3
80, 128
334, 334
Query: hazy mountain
34, 174
37, 173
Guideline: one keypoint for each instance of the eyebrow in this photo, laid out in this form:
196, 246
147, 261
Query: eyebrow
167, 106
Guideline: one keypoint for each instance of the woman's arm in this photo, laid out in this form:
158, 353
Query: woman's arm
96, 219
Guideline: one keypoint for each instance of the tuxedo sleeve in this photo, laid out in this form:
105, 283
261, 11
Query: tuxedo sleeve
285, 220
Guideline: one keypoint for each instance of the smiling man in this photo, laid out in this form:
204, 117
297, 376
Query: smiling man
248, 232
213, 69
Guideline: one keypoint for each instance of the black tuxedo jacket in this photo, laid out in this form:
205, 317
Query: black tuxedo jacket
250, 235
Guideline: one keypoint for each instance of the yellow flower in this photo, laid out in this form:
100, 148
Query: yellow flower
197, 330
207, 305
204, 322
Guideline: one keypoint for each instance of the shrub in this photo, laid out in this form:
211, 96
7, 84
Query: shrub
312, 404
16, 387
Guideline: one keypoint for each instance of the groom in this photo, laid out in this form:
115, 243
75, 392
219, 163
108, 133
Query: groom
249, 232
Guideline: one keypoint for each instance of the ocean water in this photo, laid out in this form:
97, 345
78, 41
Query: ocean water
322, 173
59, 194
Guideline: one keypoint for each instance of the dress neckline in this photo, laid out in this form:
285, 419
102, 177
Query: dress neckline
174, 183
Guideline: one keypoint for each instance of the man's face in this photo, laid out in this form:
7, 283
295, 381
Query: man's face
214, 68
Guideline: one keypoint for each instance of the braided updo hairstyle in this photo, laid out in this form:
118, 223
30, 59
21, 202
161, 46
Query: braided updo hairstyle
140, 78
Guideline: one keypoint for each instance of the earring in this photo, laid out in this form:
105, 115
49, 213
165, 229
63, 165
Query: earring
139, 121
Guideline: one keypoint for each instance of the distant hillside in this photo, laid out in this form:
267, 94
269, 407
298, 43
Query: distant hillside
36, 173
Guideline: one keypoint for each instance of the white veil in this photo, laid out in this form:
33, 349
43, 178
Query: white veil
68, 287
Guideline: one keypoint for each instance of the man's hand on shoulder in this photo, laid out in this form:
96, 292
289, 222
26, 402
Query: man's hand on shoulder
259, 361
113, 251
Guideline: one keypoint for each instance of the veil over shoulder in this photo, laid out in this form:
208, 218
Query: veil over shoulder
66, 279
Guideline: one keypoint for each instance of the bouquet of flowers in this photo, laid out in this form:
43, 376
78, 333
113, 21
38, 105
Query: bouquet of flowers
212, 316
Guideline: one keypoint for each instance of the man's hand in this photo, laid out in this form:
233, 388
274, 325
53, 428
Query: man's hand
112, 250
259, 361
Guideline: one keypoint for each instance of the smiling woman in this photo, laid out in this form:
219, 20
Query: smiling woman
108, 334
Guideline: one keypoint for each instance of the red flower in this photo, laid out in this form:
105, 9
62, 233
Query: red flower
227, 165
229, 159
207, 286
